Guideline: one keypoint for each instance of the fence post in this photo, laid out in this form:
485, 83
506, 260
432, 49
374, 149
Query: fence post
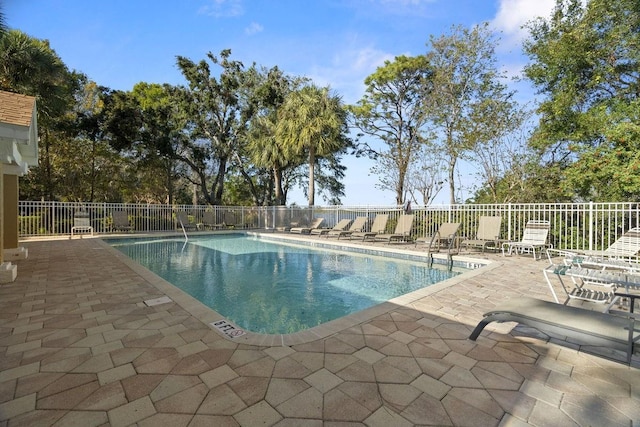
52, 219
591, 226
509, 219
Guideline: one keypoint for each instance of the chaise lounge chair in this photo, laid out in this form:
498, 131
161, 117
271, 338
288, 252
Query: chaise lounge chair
402, 232
184, 221
340, 226
120, 221
306, 230
626, 246
534, 238
378, 227
488, 234
357, 226
231, 220
593, 279
578, 325
209, 221
443, 238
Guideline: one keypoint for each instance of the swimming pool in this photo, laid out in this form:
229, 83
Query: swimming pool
268, 287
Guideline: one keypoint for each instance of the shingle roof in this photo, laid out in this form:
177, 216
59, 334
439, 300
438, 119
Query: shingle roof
16, 109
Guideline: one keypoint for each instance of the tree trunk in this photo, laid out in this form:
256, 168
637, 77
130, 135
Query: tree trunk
452, 182
400, 189
279, 194
219, 184
312, 163
169, 183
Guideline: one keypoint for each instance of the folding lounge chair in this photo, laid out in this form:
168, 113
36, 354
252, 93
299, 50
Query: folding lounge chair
594, 280
534, 238
340, 226
444, 237
357, 226
488, 234
402, 232
626, 246
230, 220
577, 325
378, 227
185, 222
306, 230
209, 221
120, 221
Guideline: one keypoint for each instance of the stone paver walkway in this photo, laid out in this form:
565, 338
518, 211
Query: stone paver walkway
79, 347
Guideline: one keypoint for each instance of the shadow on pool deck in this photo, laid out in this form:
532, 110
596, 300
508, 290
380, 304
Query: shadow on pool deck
81, 347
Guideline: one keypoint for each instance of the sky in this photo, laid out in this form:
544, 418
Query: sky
338, 43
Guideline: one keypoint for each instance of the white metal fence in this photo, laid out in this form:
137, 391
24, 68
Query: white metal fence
577, 225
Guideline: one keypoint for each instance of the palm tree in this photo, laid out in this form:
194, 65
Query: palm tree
313, 122
3, 25
267, 152
29, 66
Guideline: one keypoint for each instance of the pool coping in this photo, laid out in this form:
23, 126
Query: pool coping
238, 335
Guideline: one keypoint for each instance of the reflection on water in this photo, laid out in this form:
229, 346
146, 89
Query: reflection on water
267, 287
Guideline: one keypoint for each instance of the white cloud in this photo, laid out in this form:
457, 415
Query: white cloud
349, 67
513, 14
222, 8
253, 28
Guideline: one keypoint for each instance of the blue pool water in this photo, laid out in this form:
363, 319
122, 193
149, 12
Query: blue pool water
269, 287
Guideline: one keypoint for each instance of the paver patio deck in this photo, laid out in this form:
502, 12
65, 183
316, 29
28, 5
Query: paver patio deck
79, 347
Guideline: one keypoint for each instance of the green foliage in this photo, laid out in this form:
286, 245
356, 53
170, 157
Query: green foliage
264, 149
392, 111
216, 117
312, 121
467, 100
585, 61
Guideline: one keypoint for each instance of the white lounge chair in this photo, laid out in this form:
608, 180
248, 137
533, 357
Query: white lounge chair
626, 246
534, 238
593, 279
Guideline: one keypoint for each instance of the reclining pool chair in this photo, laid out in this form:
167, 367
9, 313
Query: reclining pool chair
184, 221
120, 221
488, 234
626, 246
378, 227
357, 226
534, 238
209, 221
443, 238
577, 325
402, 232
306, 230
340, 226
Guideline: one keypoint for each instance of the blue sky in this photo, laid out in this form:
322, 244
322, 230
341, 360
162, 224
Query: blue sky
119, 43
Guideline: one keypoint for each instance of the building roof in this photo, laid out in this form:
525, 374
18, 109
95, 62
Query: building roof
16, 109
18, 133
